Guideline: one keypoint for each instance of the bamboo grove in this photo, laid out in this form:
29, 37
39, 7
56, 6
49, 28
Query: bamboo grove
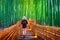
45, 12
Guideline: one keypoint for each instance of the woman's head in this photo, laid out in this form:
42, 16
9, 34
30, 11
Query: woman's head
24, 18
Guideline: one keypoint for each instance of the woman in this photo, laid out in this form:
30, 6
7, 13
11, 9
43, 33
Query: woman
24, 24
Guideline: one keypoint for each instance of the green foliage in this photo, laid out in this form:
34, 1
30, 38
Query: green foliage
45, 12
